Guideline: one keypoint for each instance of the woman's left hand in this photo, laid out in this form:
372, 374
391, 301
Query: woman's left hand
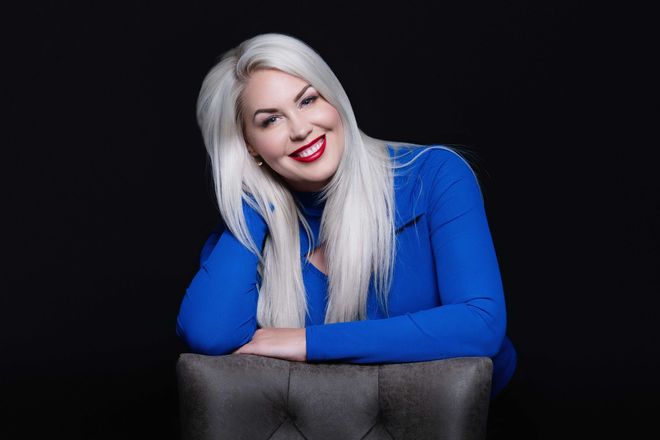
283, 343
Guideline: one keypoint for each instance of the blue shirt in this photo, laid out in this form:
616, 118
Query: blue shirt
446, 298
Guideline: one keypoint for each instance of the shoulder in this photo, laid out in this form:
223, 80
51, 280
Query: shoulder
432, 173
430, 164
429, 159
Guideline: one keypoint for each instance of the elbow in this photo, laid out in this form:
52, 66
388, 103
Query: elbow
209, 347
210, 342
491, 331
493, 342
213, 324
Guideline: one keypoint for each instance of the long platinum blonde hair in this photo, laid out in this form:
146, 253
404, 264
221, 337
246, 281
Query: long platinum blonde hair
357, 225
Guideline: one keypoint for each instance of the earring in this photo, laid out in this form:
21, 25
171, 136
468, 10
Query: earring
259, 162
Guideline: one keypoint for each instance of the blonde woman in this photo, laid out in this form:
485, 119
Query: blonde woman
336, 246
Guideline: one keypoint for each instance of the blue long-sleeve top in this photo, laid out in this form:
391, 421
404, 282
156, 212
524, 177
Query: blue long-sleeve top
446, 298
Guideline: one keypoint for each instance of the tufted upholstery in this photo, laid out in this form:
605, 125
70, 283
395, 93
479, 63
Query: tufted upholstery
245, 396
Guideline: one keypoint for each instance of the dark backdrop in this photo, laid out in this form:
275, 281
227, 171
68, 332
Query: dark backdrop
108, 197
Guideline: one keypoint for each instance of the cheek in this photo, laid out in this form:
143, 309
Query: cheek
331, 117
270, 143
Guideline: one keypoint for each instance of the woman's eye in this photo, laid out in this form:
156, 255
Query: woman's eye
309, 100
266, 122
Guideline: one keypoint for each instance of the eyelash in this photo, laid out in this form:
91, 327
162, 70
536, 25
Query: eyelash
266, 122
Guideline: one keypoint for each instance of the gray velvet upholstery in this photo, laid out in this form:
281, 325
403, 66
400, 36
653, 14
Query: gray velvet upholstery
243, 396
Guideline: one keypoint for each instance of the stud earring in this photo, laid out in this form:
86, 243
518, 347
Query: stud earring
259, 162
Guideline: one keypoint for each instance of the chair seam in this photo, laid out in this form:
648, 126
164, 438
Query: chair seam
288, 391
378, 387
377, 402
299, 431
288, 388
370, 429
288, 409
278, 427
379, 408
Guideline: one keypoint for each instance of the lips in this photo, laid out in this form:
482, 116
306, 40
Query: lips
317, 151
304, 147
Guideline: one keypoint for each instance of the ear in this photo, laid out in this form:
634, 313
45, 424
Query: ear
250, 149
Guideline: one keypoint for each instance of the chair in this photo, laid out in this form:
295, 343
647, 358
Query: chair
243, 396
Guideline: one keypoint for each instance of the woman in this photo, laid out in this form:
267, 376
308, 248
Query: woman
396, 262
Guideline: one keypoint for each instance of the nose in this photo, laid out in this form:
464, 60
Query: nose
300, 128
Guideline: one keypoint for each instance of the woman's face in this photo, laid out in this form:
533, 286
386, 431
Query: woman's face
282, 114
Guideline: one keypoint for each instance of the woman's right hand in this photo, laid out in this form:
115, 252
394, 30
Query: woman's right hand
282, 343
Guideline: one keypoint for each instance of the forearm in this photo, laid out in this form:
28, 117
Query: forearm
438, 333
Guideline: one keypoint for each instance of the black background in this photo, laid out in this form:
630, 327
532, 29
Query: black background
108, 198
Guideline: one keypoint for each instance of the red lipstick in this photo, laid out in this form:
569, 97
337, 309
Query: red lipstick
311, 157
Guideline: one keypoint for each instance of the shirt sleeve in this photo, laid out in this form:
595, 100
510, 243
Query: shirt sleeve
218, 312
210, 242
471, 320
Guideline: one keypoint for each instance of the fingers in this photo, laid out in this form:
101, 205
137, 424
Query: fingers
278, 343
241, 350
249, 348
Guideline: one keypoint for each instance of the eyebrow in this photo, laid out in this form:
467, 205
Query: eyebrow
273, 110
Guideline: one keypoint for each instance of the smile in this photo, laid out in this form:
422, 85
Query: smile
310, 152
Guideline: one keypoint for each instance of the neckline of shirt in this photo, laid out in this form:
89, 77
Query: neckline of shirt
310, 202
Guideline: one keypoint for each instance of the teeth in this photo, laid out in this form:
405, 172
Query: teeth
311, 150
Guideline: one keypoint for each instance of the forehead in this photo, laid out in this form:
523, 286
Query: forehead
268, 87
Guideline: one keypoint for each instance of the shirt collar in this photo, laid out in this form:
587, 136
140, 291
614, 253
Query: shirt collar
408, 203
